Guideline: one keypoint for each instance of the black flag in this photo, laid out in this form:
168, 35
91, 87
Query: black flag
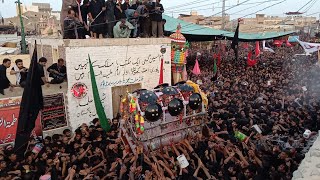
235, 42
31, 104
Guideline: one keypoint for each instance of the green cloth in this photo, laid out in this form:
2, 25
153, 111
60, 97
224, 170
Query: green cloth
215, 67
97, 101
240, 136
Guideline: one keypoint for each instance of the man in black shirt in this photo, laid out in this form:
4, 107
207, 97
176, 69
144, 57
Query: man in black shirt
110, 16
144, 19
71, 25
156, 19
4, 81
126, 5
20, 71
42, 63
97, 18
119, 11
58, 72
135, 5
84, 14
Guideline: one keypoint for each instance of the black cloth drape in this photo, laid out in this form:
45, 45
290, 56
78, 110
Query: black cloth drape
31, 104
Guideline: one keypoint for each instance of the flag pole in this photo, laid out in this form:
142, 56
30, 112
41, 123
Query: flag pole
30, 105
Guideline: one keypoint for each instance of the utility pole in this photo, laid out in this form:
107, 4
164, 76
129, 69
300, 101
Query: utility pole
23, 36
318, 25
223, 25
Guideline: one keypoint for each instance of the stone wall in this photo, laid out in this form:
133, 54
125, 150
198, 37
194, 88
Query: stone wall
47, 47
309, 168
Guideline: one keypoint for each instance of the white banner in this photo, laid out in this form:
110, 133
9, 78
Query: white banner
266, 48
309, 47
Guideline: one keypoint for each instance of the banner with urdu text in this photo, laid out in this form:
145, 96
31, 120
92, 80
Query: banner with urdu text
9, 113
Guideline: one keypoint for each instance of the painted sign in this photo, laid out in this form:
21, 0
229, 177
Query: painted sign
53, 114
9, 114
79, 90
51, 117
113, 66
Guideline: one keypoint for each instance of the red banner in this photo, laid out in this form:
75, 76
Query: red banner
9, 114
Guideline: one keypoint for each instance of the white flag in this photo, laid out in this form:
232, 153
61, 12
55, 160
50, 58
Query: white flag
266, 48
309, 47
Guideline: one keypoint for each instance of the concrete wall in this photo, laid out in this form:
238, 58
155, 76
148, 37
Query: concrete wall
117, 62
309, 168
52, 49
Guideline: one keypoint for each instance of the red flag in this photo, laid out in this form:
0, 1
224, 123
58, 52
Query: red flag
277, 43
161, 72
223, 48
245, 45
257, 51
251, 62
218, 58
288, 44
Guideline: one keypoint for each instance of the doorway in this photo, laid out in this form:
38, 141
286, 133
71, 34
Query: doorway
121, 91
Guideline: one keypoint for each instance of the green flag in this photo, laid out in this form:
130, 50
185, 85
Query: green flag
97, 101
215, 67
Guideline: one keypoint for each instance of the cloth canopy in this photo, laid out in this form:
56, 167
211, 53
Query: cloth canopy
195, 32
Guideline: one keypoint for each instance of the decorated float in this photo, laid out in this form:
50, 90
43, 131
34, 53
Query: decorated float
163, 115
179, 52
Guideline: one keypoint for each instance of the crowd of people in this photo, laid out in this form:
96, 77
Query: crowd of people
114, 19
57, 73
269, 95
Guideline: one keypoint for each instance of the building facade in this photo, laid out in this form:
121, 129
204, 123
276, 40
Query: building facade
43, 7
259, 23
211, 21
263, 23
38, 19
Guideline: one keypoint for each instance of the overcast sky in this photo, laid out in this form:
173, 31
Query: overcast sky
205, 7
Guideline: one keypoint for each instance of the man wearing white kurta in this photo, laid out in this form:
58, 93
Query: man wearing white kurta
122, 29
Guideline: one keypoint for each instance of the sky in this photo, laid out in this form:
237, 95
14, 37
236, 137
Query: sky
246, 8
